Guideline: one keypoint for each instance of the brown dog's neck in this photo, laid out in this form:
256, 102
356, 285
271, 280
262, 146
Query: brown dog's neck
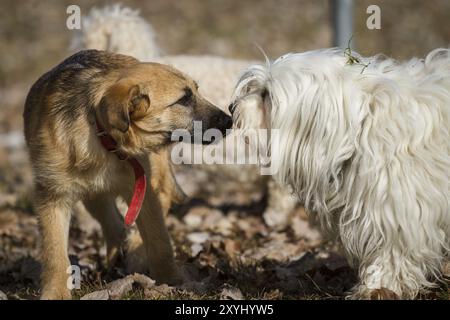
140, 184
108, 142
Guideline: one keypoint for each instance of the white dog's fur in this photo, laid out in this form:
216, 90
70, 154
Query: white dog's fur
122, 30
117, 29
367, 149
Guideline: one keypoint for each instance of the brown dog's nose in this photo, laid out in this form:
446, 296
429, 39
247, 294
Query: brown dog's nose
220, 121
228, 122
223, 121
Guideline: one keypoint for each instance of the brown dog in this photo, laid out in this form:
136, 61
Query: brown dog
139, 105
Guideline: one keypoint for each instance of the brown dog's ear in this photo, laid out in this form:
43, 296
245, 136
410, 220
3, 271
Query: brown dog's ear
139, 103
121, 101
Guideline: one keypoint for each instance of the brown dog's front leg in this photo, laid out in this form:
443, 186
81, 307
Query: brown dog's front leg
103, 208
156, 241
54, 220
157, 248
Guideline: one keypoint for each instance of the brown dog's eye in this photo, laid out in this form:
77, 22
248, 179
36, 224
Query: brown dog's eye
185, 100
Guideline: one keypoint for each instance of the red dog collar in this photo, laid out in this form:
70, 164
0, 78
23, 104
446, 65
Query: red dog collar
140, 180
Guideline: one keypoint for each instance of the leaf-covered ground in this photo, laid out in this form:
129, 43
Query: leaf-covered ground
225, 253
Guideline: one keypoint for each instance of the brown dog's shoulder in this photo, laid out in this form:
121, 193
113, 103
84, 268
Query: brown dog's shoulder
89, 60
85, 60
70, 78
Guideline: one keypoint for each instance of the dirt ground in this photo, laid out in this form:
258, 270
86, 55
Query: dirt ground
226, 250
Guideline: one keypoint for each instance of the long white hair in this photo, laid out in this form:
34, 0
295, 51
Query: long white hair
365, 144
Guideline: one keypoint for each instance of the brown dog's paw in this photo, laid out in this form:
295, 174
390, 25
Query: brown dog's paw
56, 294
383, 294
171, 276
135, 257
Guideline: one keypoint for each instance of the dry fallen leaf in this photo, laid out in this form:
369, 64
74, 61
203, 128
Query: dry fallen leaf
143, 281
198, 237
232, 248
158, 292
96, 295
119, 288
3, 296
302, 229
196, 248
231, 293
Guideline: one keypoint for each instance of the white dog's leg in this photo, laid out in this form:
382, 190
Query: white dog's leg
389, 278
379, 280
396, 269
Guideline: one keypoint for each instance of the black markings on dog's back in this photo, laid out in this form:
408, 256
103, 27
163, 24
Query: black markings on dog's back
95, 59
70, 82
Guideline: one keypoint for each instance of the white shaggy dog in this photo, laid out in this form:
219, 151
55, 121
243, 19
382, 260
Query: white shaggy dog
365, 144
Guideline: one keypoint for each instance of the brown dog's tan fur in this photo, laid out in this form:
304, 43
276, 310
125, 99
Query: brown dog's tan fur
139, 105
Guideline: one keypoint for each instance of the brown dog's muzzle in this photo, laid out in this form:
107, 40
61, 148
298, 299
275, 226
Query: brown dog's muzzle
213, 118
221, 121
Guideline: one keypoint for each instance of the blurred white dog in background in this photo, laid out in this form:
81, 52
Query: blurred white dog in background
122, 30
365, 144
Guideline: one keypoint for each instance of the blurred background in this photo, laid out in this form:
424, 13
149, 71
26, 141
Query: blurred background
34, 38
